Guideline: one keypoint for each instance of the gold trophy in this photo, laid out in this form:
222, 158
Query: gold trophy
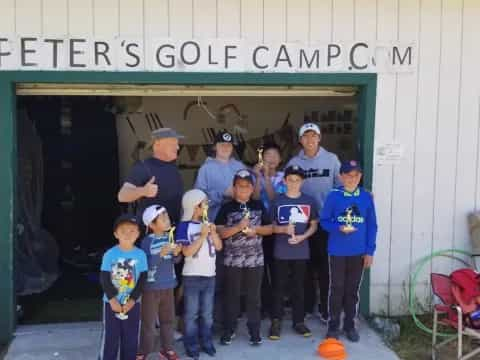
122, 315
292, 239
171, 238
205, 214
348, 227
260, 156
246, 215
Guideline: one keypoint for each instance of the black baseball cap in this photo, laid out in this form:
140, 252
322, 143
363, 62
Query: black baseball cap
350, 165
223, 137
125, 218
294, 170
243, 174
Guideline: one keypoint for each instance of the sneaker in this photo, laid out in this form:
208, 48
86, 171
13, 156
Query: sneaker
255, 339
352, 335
301, 329
209, 350
227, 338
170, 355
193, 355
275, 329
335, 334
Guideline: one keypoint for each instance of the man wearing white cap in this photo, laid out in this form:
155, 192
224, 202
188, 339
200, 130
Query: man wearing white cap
156, 180
322, 170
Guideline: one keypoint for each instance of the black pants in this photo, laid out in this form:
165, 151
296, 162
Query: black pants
317, 268
267, 283
346, 273
120, 335
281, 279
234, 278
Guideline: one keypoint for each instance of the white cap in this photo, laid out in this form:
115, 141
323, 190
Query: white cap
190, 200
151, 213
308, 127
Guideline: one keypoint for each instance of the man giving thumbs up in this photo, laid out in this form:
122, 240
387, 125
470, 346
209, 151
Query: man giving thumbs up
156, 180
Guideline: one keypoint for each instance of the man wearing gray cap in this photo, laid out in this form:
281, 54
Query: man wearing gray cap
156, 180
321, 175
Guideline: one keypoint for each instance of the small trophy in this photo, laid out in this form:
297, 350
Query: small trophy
122, 315
246, 215
348, 227
260, 156
292, 239
171, 238
205, 214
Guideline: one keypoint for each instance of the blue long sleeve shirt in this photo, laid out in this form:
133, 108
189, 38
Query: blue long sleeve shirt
360, 205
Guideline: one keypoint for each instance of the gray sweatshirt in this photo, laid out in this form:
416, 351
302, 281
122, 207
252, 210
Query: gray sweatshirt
214, 177
321, 171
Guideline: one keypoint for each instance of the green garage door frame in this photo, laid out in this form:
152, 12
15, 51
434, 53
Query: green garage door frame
366, 82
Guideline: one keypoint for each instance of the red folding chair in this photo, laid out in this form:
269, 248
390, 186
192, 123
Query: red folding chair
449, 314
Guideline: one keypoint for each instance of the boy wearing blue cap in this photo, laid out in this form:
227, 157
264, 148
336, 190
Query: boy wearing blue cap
349, 217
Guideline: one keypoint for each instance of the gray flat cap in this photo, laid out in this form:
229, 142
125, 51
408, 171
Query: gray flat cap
164, 133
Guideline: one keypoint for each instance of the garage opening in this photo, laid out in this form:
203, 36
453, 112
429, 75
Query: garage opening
77, 143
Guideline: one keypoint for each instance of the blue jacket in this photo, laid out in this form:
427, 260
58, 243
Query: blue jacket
360, 204
214, 177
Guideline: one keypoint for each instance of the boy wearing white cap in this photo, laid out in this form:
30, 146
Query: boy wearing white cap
158, 299
200, 243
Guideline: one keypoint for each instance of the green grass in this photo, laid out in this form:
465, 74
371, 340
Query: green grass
415, 344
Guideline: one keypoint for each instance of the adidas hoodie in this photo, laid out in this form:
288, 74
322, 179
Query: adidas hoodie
362, 209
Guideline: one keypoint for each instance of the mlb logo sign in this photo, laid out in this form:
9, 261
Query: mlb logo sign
293, 214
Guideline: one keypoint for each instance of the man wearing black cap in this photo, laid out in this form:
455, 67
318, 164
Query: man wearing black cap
216, 174
156, 180
215, 179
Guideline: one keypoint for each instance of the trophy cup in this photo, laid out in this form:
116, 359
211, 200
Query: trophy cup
122, 315
348, 227
292, 239
171, 239
260, 156
246, 215
205, 214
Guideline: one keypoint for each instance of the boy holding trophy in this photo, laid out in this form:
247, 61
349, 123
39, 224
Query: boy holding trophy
241, 224
122, 276
158, 300
294, 218
349, 217
200, 242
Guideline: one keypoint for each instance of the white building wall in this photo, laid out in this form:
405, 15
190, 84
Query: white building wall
423, 201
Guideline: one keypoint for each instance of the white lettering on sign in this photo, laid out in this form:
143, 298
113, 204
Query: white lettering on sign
132, 54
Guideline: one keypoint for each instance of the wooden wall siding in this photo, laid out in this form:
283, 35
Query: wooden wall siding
435, 112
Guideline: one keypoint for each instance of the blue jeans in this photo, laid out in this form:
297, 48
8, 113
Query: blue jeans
199, 293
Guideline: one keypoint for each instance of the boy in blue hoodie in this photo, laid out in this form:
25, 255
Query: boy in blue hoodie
349, 217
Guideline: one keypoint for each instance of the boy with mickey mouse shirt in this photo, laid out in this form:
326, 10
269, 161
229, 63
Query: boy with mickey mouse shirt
122, 277
350, 219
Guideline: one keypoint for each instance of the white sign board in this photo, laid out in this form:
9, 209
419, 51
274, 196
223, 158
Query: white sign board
389, 154
216, 55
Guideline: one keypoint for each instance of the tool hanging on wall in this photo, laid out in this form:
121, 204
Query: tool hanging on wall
153, 121
139, 146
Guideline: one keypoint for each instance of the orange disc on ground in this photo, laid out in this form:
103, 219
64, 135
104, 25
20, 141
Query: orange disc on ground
332, 349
